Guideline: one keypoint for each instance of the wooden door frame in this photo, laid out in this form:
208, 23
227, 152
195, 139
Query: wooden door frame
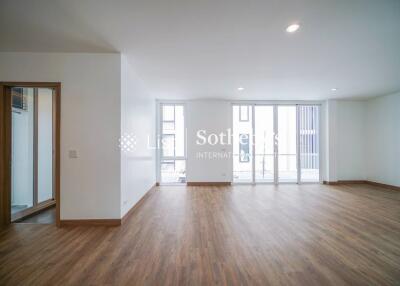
5, 143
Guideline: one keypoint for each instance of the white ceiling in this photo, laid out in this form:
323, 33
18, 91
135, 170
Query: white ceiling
208, 48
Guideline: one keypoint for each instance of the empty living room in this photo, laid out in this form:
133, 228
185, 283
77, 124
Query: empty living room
199, 142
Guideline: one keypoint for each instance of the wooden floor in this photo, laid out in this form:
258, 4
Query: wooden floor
242, 235
47, 216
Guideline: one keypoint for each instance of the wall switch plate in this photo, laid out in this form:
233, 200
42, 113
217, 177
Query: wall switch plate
72, 154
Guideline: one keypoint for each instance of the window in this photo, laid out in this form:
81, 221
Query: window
244, 113
287, 143
281, 145
242, 144
309, 143
172, 152
264, 143
244, 148
19, 98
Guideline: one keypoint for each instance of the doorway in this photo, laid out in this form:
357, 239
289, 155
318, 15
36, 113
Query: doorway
31, 138
172, 153
276, 143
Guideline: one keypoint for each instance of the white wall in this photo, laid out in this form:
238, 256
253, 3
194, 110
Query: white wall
350, 140
90, 124
363, 139
383, 139
213, 116
330, 150
138, 119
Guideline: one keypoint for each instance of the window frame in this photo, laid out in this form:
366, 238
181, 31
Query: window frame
247, 112
159, 131
275, 104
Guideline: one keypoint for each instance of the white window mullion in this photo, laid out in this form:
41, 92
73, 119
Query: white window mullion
276, 163
254, 144
298, 160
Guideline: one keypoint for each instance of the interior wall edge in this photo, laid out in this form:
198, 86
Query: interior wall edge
136, 206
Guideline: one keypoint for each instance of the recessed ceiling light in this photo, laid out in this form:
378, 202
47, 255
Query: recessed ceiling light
334, 89
292, 28
240, 88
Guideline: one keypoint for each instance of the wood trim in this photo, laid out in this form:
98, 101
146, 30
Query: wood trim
33, 210
347, 182
215, 184
5, 154
90, 222
139, 203
385, 186
344, 182
327, 183
353, 182
3, 161
57, 153
330, 182
30, 84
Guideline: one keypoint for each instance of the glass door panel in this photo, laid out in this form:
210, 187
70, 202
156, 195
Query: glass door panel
22, 146
309, 143
286, 137
242, 143
264, 143
173, 154
45, 144
286, 143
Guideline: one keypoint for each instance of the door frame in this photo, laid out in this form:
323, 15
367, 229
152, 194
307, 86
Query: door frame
5, 143
159, 155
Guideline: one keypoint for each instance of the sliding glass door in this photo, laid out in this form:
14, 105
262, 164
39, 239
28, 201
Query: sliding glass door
264, 143
173, 154
275, 143
308, 118
286, 140
242, 143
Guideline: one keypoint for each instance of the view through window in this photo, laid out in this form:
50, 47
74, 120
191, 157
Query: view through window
284, 140
173, 159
